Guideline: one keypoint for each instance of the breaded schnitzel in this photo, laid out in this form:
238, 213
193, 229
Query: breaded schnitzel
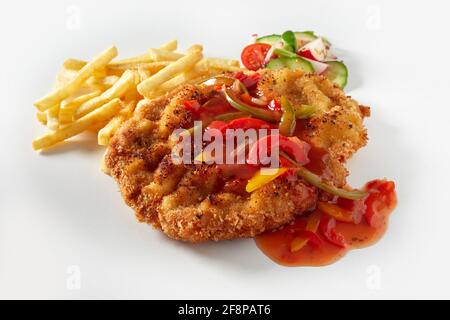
199, 202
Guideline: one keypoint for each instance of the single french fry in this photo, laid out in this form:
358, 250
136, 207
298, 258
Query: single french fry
220, 63
144, 58
96, 127
69, 106
151, 66
105, 134
104, 113
116, 91
74, 64
176, 81
63, 77
73, 85
146, 87
53, 117
172, 45
42, 117
164, 55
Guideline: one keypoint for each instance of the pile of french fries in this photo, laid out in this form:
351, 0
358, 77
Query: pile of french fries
101, 94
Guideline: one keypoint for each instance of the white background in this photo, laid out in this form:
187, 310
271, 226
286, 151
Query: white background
58, 210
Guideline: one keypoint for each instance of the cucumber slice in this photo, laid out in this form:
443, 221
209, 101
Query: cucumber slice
291, 64
299, 63
337, 72
276, 64
272, 39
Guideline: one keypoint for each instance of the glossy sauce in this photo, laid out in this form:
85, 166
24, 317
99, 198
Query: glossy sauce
277, 245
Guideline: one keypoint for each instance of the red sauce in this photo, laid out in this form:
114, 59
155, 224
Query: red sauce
379, 205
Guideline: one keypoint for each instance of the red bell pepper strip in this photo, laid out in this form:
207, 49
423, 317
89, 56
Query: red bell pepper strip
192, 105
274, 105
381, 197
294, 147
328, 229
260, 113
248, 123
249, 81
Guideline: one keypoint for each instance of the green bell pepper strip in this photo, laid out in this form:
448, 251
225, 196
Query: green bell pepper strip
304, 111
232, 116
263, 114
317, 181
288, 122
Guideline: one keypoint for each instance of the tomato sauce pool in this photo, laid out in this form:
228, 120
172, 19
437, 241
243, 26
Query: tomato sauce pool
334, 228
277, 245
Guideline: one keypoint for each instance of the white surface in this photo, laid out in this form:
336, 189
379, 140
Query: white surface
57, 210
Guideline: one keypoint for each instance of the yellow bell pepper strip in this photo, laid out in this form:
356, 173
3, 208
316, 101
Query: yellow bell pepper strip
263, 177
312, 225
317, 181
336, 212
219, 80
260, 113
288, 122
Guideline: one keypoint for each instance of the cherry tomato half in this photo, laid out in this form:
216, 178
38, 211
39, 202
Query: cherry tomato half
253, 55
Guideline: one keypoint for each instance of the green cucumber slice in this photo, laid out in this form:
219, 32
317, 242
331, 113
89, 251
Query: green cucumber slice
271, 39
276, 64
291, 63
337, 72
299, 63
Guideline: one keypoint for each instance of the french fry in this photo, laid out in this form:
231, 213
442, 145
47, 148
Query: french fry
223, 64
105, 134
151, 66
104, 113
143, 74
63, 77
42, 117
102, 84
172, 45
164, 55
53, 117
69, 106
144, 58
96, 127
74, 64
176, 81
146, 87
73, 85
116, 91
